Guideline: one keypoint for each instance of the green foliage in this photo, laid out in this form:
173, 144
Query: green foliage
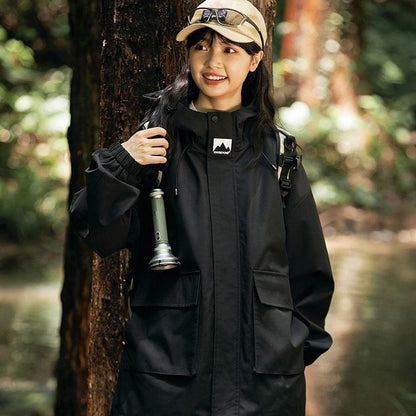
369, 160
366, 161
33, 149
389, 56
42, 25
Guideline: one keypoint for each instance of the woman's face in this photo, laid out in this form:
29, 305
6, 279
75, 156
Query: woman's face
219, 69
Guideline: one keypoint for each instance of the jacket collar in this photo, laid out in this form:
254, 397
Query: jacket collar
203, 125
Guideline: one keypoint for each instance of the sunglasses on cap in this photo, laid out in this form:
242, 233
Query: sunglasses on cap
225, 17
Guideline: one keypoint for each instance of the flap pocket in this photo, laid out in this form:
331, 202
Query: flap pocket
169, 289
278, 336
273, 289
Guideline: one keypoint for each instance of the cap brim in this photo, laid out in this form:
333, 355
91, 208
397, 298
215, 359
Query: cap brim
229, 33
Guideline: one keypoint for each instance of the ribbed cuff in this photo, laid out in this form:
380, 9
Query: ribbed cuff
125, 159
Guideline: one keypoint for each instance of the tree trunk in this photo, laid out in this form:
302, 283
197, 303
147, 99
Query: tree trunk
139, 55
323, 41
303, 44
268, 10
83, 137
344, 80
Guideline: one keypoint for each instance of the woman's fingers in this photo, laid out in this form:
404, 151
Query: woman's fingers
152, 132
157, 142
147, 146
151, 160
155, 150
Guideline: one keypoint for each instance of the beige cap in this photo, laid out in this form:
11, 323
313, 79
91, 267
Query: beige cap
245, 33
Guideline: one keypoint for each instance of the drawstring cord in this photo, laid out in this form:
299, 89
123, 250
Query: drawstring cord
272, 165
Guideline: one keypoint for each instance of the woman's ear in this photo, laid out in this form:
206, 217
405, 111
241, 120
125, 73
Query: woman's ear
255, 60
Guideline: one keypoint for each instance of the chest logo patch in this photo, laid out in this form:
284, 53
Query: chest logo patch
222, 146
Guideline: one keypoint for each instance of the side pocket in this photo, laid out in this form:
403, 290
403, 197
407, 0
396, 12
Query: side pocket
279, 336
163, 328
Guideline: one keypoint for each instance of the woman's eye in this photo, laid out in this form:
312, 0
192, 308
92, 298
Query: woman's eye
200, 47
230, 50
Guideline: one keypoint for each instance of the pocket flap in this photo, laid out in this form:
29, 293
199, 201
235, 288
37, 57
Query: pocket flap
273, 289
169, 288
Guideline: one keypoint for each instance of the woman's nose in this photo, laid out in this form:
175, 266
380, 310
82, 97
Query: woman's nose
214, 58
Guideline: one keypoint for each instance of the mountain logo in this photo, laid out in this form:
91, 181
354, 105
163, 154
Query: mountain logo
222, 146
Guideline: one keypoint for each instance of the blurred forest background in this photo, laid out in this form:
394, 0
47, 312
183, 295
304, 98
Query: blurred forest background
346, 87
360, 153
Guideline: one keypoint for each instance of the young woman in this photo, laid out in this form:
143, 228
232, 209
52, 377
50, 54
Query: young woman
230, 331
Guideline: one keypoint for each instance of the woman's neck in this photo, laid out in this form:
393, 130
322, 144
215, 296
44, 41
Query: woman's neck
207, 106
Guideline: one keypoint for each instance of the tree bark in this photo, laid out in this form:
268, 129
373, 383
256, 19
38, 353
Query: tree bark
268, 10
83, 137
139, 54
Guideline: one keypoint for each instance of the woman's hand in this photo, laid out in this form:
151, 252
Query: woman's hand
145, 148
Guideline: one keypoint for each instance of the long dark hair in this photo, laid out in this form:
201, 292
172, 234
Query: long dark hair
257, 89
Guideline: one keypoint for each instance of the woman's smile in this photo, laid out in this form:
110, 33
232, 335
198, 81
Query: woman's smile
213, 79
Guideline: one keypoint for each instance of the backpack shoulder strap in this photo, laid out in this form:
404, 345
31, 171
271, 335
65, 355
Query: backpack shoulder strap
288, 159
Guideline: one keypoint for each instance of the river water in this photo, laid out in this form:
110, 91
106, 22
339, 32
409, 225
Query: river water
369, 371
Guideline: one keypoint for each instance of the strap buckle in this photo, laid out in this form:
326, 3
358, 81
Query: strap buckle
289, 161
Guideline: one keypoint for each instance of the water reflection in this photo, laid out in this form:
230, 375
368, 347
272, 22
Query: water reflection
29, 321
370, 371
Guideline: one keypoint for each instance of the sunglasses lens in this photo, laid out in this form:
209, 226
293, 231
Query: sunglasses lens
205, 15
222, 15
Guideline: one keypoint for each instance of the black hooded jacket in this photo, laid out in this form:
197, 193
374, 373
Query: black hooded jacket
230, 331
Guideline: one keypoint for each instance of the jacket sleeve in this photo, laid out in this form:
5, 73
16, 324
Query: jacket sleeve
105, 213
309, 268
